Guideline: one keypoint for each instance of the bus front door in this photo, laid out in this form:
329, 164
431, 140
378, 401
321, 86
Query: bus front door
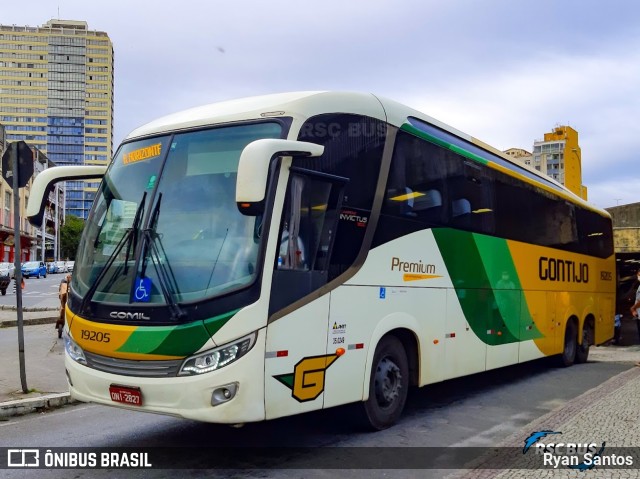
296, 359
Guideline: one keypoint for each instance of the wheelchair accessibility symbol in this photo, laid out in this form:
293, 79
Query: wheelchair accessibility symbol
142, 293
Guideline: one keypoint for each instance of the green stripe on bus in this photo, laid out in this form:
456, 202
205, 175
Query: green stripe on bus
185, 340
473, 287
145, 339
460, 151
507, 289
214, 324
181, 340
167, 341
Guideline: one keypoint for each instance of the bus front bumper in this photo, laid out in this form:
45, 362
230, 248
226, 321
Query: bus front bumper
189, 397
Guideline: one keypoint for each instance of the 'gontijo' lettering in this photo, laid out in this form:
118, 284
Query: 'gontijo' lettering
553, 269
142, 154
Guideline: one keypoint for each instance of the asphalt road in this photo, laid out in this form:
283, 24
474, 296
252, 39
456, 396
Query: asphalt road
480, 410
38, 293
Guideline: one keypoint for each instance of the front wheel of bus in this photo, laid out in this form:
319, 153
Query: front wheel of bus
568, 356
388, 385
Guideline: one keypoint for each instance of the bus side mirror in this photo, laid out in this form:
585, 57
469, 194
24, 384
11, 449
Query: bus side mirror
253, 169
44, 182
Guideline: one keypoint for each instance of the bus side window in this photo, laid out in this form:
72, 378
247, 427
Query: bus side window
416, 204
430, 199
460, 207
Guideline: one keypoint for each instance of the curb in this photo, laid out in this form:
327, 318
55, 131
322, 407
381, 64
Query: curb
7, 307
20, 407
28, 321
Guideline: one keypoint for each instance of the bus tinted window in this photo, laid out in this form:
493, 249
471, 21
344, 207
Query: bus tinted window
431, 186
436, 186
352, 149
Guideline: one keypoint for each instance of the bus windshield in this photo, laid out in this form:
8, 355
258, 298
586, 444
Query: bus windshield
165, 227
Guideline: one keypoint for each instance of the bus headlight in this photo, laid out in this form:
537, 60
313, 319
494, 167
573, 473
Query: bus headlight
74, 351
217, 358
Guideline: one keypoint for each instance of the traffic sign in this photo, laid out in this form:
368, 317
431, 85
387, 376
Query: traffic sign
25, 163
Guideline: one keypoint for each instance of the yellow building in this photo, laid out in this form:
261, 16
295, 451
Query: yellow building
56, 93
559, 156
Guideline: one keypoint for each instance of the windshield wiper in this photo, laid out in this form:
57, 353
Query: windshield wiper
215, 263
166, 277
134, 237
130, 233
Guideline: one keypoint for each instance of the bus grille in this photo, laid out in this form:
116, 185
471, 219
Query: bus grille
129, 367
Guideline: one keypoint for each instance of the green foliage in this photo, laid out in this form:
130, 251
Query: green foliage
70, 236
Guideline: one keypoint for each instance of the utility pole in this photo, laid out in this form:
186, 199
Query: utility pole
17, 261
17, 167
56, 223
43, 242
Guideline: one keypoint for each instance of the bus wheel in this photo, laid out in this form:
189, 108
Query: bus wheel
568, 355
582, 352
388, 386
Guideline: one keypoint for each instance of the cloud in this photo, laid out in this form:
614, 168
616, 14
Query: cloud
503, 71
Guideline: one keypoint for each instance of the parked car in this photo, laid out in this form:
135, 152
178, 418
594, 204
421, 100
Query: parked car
8, 269
51, 267
34, 268
61, 267
70, 266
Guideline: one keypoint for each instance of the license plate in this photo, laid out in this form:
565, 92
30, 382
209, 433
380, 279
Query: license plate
126, 395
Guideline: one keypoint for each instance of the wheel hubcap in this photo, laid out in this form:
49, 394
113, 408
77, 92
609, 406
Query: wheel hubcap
388, 382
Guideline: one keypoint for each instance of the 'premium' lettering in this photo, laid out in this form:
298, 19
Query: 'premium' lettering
408, 267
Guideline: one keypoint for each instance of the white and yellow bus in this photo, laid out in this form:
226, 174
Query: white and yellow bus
269, 256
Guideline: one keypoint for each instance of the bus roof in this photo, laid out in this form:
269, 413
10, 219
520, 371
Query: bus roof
305, 104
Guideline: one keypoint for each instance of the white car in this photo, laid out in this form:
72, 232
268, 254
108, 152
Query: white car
8, 269
70, 266
61, 267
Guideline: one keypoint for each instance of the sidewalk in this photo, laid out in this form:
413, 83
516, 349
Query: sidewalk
44, 359
607, 414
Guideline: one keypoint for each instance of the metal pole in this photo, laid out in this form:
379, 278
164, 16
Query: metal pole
56, 223
17, 261
44, 222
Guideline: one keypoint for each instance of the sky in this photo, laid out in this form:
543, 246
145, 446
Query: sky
502, 71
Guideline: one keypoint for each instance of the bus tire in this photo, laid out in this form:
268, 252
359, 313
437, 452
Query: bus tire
388, 385
568, 356
582, 352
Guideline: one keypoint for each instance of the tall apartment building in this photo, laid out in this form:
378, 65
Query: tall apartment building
560, 157
35, 243
56, 93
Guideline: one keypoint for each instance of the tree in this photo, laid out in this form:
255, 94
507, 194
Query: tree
70, 236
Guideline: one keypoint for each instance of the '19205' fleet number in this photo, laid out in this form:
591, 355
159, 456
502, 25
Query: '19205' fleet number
95, 336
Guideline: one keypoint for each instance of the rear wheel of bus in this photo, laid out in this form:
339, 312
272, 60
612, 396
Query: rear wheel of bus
582, 352
568, 356
388, 385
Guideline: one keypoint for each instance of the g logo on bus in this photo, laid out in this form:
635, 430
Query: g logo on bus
307, 380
